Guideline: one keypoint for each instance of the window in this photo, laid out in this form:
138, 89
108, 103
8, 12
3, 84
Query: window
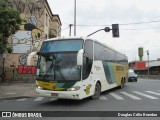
88, 48
98, 51
88, 58
58, 45
46, 19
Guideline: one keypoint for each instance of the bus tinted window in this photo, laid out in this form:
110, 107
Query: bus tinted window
87, 59
62, 45
104, 53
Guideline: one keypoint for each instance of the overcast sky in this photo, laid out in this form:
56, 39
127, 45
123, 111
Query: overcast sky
139, 22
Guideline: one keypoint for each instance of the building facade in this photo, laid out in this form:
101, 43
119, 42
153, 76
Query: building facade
39, 24
145, 67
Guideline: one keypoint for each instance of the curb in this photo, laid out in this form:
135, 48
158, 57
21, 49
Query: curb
14, 98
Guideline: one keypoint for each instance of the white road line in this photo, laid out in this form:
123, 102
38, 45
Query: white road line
131, 96
145, 95
155, 93
22, 99
39, 99
52, 99
116, 96
10, 93
102, 98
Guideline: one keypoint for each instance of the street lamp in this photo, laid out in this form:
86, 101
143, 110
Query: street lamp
3, 71
148, 61
70, 25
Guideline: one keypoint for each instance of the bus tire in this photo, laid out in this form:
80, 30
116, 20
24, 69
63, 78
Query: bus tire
122, 83
97, 91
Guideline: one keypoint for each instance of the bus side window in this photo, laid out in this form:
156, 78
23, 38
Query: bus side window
88, 58
84, 68
87, 65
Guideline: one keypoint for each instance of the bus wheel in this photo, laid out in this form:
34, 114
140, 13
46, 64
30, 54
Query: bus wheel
122, 83
97, 91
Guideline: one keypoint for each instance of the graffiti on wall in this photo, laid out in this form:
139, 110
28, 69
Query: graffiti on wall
30, 36
23, 59
23, 69
27, 38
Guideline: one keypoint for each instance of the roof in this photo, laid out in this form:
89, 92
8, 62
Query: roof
52, 13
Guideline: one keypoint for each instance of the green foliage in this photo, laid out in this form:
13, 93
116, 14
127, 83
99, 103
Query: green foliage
9, 22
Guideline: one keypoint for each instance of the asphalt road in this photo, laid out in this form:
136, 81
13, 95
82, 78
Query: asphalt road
143, 95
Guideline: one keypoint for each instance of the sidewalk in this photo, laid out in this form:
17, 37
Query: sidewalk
17, 90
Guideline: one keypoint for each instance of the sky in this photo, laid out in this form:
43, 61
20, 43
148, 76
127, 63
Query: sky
139, 23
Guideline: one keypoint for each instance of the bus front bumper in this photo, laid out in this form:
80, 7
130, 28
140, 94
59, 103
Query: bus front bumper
59, 94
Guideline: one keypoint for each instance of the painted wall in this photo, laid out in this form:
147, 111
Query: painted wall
29, 37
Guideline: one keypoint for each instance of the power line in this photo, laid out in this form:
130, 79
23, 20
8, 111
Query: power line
134, 23
65, 28
142, 28
153, 21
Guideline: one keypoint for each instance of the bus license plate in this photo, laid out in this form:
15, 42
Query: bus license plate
54, 94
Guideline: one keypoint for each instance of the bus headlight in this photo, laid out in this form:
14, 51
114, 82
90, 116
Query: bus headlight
37, 85
74, 88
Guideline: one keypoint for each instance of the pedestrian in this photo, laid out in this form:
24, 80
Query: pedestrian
4, 77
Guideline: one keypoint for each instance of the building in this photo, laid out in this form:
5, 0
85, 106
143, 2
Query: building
138, 66
141, 67
40, 24
154, 67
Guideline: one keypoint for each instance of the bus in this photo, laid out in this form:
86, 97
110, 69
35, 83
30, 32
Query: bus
77, 68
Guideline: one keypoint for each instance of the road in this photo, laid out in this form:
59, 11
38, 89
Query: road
143, 95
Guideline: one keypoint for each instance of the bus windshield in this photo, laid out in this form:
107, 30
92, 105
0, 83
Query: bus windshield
62, 45
57, 61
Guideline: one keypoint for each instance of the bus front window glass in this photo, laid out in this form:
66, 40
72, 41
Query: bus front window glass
62, 45
58, 60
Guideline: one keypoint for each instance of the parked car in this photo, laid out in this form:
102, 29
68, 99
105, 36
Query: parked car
132, 77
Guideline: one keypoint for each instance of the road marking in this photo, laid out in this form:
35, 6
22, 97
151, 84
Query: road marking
39, 99
10, 93
145, 95
153, 93
131, 96
102, 98
22, 99
116, 96
52, 99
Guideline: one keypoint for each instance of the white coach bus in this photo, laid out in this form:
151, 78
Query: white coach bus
77, 67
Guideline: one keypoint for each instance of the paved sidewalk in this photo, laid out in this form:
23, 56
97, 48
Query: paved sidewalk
17, 90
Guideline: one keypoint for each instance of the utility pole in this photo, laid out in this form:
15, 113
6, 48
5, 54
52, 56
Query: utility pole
148, 61
74, 17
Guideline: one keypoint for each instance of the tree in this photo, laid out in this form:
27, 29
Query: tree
9, 22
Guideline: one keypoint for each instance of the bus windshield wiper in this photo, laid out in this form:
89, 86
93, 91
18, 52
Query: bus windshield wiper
49, 69
54, 65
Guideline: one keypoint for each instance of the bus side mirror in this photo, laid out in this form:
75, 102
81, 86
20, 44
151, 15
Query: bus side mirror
80, 57
32, 59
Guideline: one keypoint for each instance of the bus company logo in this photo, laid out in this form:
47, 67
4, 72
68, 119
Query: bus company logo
119, 68
6, 114
88, 89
